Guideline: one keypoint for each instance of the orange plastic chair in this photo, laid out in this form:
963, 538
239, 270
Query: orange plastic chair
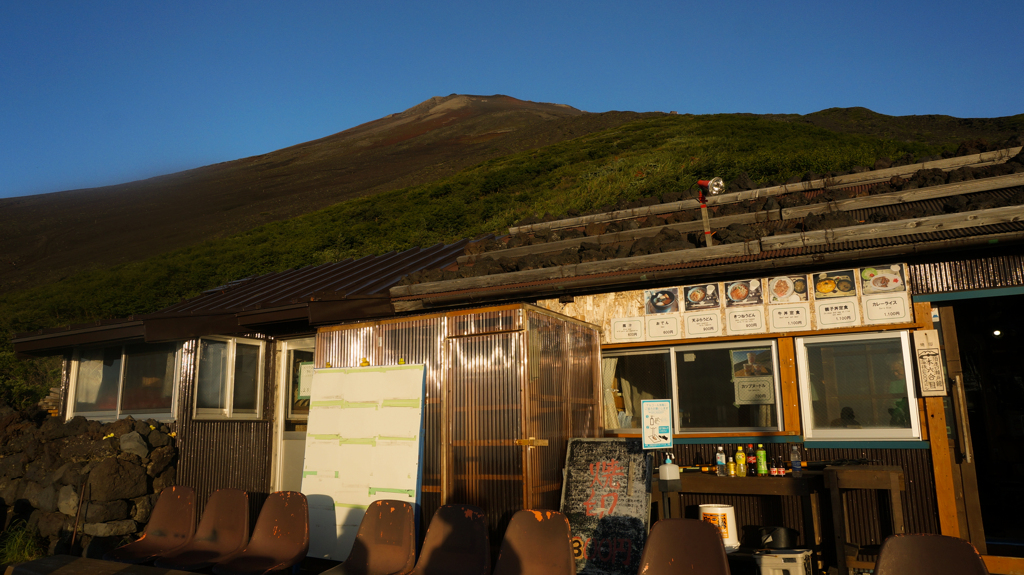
456, 543
536, 543
675, 543
926, 553
279, 541
223, 531
171, 526
385, 543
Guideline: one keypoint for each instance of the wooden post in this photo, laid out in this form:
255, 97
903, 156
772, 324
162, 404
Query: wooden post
942, 463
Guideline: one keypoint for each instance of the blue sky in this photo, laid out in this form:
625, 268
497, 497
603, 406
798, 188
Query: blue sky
98, 93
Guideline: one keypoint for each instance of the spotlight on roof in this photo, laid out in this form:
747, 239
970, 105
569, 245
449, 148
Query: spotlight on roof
714, 186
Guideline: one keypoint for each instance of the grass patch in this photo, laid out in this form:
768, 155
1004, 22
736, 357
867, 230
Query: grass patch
18, 545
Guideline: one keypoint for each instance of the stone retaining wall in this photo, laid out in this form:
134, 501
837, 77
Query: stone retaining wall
46, 464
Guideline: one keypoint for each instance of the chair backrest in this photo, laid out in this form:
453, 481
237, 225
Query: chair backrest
282, 529
931, 554
675, 542
386, 541
225, 524
456, 543
172, 524
536, 543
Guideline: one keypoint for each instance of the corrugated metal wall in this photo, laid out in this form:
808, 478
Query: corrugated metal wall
217, 454
968, 274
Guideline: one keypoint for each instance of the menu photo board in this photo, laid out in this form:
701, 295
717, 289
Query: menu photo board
702, 315
744, 309
835, 299
789, 308
885, 295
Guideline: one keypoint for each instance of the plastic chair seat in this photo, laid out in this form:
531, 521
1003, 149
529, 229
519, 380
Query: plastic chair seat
279, 541
171, 526
385, 543
223, 532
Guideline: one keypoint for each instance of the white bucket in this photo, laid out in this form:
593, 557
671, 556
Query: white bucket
724, 518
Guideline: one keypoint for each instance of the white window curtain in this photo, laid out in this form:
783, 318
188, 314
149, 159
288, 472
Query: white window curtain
611, 414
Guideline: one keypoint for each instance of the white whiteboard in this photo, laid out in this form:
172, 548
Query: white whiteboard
364, 442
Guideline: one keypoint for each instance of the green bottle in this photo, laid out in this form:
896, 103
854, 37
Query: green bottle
762, 461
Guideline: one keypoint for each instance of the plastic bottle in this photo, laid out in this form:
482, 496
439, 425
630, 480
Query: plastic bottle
762, 461
751, 460
741, 462
732, 467
794, 460
720, 463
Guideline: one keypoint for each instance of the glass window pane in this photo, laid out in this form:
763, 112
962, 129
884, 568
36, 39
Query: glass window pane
211, 391
99, 372
727, 387
858, 384
148, 377
638, 377
297, 359
247, 370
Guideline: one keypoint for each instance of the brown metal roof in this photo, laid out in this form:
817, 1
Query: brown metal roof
314, 295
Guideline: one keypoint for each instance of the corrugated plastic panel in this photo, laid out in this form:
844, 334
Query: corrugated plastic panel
485, 321
218, 454
347, 347
547, 408
422, 341
485, 379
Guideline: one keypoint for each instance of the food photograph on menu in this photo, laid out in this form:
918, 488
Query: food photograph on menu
743, 292
882, 279
665, 300
787, 289
700, 297
834, 284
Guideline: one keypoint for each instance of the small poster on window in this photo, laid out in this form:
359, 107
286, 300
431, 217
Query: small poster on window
753, 376
657, 423
305, 379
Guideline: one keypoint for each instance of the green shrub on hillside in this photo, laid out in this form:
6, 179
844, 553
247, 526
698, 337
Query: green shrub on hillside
647, 158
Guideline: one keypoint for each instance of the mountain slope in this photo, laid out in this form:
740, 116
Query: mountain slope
49, 236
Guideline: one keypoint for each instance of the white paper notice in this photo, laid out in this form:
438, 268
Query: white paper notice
888, 308
363, 443
839, 312
745, 320
703, 324
627, 329
931, 376
790, 317
663, 327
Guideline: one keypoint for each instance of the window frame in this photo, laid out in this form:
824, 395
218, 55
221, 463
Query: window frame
287, 347
228, 412
117, 412
673, 382
847, 434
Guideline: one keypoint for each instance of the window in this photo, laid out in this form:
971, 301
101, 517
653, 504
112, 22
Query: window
857, 386
229, 380
298, 374
714, 387
118, 381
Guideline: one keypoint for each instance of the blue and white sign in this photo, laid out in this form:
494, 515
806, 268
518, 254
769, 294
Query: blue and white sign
657, 423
